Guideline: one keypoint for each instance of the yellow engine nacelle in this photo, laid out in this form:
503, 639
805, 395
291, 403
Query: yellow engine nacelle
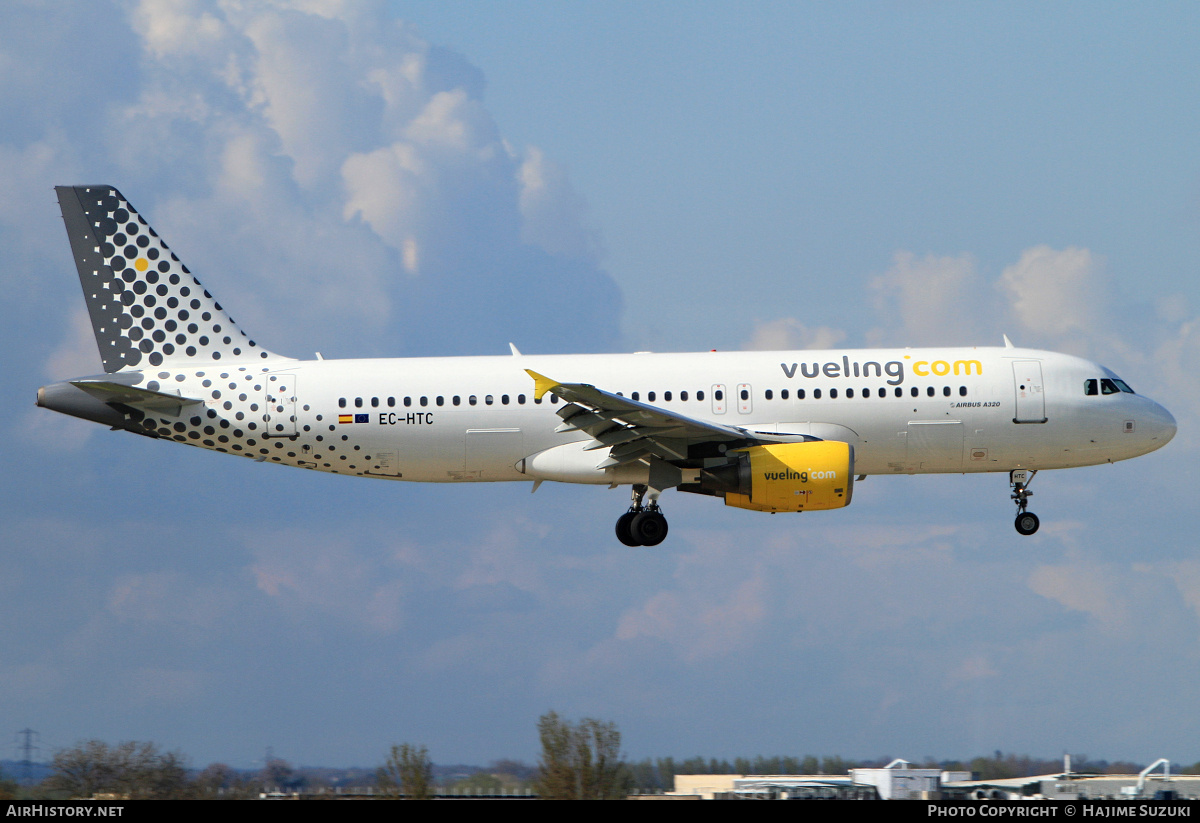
795, 477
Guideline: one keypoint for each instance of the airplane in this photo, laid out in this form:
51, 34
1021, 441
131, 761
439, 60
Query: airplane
765, 431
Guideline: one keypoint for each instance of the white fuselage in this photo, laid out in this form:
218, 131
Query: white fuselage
475, 418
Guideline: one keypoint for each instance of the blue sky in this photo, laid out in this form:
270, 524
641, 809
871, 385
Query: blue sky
392, 179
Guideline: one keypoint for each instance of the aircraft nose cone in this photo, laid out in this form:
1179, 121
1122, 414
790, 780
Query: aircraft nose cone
1161, 426
1168, 424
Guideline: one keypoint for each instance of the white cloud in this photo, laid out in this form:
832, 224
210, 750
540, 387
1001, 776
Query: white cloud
304, 571
697, 626
554, 216
931, 301
318, 149
1057, 295
1084, 587
973, 667
500, 556
173, 28
789, 334
151, 599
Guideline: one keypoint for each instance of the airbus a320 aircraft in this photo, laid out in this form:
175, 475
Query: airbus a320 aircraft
768, 431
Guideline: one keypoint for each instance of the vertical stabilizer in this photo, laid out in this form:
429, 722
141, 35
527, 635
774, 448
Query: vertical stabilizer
146, 307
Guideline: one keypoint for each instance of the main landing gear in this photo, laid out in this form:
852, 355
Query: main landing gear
1027, 522
642, 525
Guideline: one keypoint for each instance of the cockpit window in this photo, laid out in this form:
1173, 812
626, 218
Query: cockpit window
1123, 386
1090, 387
1107, 386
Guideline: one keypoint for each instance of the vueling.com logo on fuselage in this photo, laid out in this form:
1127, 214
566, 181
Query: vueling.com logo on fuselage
788, 474
894, 369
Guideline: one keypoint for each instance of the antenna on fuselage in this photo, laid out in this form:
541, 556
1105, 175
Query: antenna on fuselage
1007, 343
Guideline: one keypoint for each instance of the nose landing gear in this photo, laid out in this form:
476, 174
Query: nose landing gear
642, 525
1027, 522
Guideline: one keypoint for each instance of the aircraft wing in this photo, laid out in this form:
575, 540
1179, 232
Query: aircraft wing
636, 431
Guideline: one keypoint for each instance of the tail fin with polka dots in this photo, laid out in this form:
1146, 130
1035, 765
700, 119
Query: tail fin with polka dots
146, 308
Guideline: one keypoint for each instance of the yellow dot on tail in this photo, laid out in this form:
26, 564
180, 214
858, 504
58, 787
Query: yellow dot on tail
140, 264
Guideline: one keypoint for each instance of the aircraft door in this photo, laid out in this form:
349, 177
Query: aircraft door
745, 399
279, 407
718, 398
1031, 400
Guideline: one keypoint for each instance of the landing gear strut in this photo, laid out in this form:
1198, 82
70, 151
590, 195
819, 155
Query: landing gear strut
1027, 522
642, 525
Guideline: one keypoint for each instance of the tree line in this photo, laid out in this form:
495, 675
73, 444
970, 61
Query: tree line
579, 760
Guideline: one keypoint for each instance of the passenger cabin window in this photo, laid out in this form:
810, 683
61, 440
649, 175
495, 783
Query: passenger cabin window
700, 395
472, 400
342, 402
424, 401
635, 396
683, 395
504, 399
650, 396
769, 394
962, 391
358, 402
489, 400
520, 399
667, 396
456, 400
441, 401
374, 402
391, 402
408, 401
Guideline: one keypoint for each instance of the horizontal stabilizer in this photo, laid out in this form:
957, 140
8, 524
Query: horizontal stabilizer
107, 391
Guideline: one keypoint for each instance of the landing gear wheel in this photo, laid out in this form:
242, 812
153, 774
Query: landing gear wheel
649, 527
1027, 523
624, 530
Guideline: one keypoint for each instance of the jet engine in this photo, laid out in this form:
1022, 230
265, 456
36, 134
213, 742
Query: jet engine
786, 477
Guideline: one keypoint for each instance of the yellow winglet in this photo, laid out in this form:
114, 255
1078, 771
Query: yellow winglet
541, 384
